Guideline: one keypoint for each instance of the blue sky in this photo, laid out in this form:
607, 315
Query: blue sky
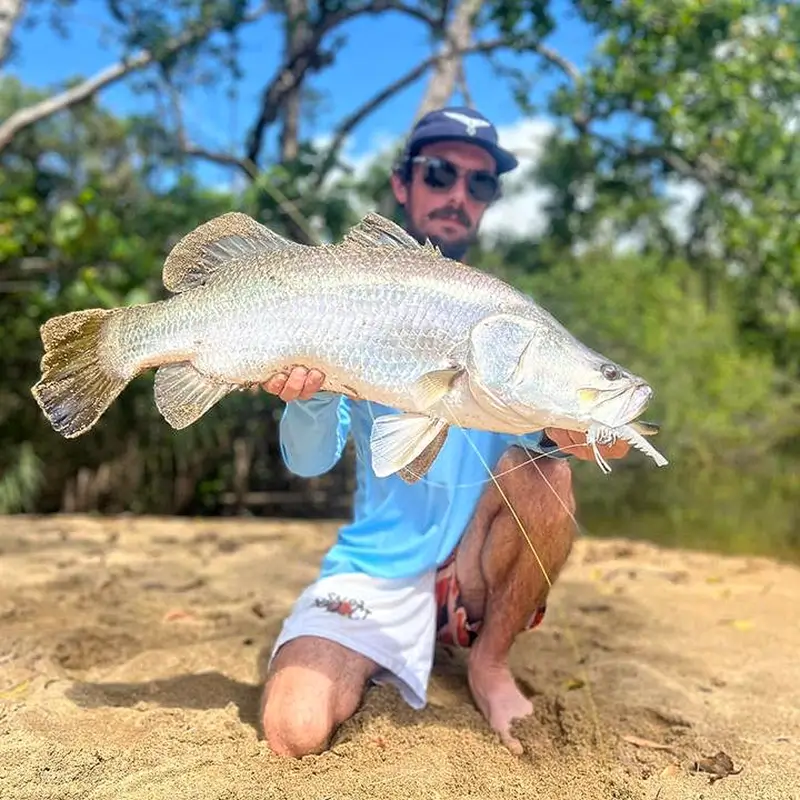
388, 44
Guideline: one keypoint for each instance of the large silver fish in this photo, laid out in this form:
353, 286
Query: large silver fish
385, 318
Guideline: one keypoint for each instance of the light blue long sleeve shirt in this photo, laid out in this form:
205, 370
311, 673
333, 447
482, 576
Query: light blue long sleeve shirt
398, 529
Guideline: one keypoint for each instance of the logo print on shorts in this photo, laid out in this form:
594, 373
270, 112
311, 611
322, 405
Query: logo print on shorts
352, 608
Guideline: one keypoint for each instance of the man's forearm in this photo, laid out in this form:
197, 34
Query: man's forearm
313, 433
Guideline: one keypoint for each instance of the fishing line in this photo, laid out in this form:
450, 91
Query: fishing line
296, 215
494, 478
568, 628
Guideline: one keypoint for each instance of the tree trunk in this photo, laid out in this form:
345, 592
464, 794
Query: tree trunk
296, 37
448, 70
10, 12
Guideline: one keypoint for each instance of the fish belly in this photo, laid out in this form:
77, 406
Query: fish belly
465, 406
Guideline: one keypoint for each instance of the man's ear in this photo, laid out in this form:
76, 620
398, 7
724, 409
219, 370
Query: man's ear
399, 188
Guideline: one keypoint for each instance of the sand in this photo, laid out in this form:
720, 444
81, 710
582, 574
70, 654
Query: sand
131, 651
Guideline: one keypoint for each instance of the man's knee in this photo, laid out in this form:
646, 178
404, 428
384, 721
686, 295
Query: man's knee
315, 685
295, 722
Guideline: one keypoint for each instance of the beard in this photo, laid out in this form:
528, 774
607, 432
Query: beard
455, 249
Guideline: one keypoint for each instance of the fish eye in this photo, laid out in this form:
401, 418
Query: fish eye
610, 372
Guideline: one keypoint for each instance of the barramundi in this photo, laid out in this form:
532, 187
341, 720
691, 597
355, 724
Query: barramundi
386, 319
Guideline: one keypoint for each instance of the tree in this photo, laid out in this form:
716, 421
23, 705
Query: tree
691, 99
90, 204
170, 45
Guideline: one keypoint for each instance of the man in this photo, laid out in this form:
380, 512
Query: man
443, 558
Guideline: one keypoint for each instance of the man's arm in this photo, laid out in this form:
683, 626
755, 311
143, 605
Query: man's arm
314, 424
538, 443
558, 443
313, 433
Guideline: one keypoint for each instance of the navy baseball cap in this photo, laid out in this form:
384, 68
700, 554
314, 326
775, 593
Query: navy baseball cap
461, 124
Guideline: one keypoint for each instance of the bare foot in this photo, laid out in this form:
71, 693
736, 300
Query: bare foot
498, 698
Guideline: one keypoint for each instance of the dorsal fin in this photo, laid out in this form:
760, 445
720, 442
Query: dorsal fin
375, 230
206, 249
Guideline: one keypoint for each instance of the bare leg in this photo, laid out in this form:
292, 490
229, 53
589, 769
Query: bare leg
314, 685
501, 580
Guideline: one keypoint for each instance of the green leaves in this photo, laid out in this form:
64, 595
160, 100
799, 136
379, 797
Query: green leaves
707, 94
672, 241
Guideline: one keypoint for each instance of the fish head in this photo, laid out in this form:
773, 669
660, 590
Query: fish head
610, 395
579, 383
533, 368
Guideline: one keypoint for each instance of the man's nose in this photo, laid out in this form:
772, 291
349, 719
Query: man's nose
458, 191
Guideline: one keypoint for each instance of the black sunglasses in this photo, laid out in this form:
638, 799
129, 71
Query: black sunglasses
439, 173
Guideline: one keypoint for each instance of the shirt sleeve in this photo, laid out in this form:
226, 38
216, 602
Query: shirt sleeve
538, 443
313, 433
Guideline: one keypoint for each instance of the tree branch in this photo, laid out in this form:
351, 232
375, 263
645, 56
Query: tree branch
299, 63
217, 157
557, 60
361, 113
442, 82
296, 33
10, 12
463, 85
26, 117
186, 147
706, 171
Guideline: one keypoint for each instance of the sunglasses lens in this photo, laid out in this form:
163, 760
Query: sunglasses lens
482, 186
440, 174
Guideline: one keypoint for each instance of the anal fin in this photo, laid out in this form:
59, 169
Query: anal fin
183, 394
398, 440
421, 464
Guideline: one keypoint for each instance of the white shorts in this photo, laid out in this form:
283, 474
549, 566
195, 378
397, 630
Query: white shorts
392, 622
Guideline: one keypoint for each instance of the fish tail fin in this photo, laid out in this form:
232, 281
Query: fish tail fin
77, 384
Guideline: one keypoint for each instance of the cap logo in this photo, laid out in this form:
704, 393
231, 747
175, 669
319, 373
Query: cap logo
470, 123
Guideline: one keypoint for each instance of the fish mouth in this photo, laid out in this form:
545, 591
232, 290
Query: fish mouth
623, 406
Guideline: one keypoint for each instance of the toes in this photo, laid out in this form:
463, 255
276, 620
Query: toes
503, 728
512, 743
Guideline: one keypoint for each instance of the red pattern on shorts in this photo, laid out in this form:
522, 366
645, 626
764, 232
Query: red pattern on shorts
453, 625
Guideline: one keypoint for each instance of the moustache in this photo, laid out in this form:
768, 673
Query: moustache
449, 212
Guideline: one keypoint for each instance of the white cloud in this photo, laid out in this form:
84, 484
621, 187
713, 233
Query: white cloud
520, 212
684, 195
381, 146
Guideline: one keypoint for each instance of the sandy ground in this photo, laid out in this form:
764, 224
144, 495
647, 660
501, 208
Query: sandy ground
131, 649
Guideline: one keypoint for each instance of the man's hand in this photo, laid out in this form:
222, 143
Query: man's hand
299, 384
568, 439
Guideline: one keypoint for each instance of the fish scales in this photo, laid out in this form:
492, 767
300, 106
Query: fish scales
347, 316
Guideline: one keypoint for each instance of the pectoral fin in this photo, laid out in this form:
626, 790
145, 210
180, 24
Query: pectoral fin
407, 443
183, 394
431, 387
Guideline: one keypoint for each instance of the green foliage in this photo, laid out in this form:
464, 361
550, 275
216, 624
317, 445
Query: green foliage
86, 228
706, 94
21, 481
681, 99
